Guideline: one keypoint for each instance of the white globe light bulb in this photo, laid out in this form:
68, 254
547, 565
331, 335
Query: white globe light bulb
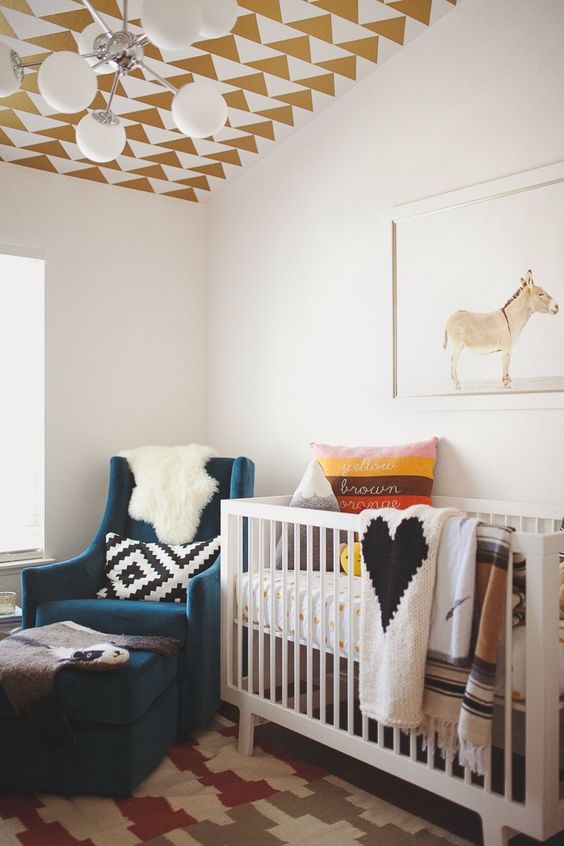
11, 73
199, 110
86, 41
100, 136
66, 82
171, 24
219, 17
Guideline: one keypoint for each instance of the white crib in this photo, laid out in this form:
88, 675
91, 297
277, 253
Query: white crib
305, 677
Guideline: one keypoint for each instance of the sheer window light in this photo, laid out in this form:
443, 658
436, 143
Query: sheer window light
21, 406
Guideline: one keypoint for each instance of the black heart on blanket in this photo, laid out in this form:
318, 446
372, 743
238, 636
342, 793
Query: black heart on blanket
392, 563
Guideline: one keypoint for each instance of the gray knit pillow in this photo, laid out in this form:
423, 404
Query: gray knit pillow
314, 491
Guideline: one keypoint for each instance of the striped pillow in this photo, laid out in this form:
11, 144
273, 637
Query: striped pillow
379, 477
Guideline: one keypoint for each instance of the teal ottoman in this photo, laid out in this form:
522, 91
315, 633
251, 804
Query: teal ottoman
123, 722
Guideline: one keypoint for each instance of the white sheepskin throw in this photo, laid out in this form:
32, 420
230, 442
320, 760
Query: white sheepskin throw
172, 488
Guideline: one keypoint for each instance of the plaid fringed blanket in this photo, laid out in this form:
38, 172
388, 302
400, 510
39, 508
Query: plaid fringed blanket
458, 700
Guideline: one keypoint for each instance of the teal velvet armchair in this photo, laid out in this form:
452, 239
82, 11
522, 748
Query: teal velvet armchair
67, 590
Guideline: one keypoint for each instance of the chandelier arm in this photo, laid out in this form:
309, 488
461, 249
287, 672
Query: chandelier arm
112, 92
100, 63
159, 78
97, 16
34, 64
141, 41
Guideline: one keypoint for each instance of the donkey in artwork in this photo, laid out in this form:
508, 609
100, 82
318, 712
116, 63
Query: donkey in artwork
496, 331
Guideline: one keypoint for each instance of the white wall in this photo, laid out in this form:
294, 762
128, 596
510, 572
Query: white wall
125, 331
299, 265
300, 255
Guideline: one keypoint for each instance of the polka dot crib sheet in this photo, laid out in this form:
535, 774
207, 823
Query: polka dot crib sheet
337, 629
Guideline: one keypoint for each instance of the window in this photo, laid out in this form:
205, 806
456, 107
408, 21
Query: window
22, 281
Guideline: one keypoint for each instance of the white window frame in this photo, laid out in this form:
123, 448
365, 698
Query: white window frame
38, 553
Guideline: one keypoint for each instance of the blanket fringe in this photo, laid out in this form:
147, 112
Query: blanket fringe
473, 757
439, 733
444, 736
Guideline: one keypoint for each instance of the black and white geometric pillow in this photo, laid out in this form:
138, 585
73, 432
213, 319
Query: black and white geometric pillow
153, 571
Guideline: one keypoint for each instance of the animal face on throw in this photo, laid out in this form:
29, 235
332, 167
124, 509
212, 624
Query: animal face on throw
103, 654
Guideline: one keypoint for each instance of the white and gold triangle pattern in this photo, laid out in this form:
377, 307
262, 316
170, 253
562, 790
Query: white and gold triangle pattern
283, 62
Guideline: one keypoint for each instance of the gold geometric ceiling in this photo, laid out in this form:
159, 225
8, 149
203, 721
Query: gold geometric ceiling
283, 62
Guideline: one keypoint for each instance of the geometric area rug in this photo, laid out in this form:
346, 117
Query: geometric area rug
205, 794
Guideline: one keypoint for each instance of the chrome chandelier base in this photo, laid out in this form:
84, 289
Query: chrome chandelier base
106, 118
122, 50
17, 66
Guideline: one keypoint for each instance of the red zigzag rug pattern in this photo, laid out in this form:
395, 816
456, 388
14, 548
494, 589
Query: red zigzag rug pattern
205, 793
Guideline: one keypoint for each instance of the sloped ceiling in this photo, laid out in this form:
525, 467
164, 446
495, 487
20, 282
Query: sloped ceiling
284, 61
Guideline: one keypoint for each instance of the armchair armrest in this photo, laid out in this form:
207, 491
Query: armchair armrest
77, 578
203, 590
201, 672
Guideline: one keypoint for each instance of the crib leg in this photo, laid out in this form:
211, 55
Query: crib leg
495, 834
247, 723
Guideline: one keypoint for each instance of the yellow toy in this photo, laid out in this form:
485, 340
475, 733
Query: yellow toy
345, 558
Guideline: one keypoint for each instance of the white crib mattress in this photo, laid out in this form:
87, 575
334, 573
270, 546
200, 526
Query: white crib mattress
337, 630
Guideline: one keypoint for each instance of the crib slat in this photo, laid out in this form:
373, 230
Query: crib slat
396, 736
542, 729
232, 555
413, 745
284, 615
488, 775
380, 735
448, 762
350, 649
508, 697
323, 611
336, 631
431, 751
297, 562
364, 728
261, 541
251, 605
239, 603
309, 648
272, 558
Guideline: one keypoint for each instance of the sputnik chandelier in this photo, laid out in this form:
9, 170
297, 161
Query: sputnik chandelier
67, 81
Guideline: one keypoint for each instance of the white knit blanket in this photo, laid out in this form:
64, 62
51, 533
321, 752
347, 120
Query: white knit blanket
399, 556
453, 600
172, 488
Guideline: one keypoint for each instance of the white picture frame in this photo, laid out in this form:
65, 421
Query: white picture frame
470, 251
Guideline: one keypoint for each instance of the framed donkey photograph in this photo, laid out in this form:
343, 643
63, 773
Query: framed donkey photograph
478, 292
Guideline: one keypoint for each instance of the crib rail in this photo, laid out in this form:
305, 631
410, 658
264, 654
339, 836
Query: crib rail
290, 654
